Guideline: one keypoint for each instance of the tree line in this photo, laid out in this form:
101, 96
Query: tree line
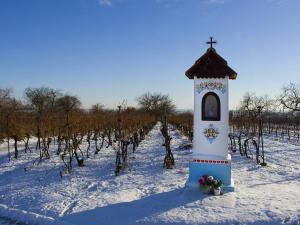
279, 116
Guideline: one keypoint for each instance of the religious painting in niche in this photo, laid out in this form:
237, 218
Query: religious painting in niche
211, 107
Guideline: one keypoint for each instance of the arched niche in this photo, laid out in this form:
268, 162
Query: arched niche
211, 107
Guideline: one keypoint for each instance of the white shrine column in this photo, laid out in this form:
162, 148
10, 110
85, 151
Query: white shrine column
211, 118
217, 148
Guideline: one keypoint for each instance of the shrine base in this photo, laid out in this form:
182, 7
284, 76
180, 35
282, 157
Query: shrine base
220, 169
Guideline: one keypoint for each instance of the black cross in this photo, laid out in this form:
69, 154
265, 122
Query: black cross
211, 42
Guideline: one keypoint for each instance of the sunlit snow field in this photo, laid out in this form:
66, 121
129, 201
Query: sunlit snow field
146, 193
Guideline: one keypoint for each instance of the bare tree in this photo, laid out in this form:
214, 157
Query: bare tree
68, 105
156, 103
97, 108
254, 105
5, 95
169, 161
16, 123
42, 101
290, 97
6, 100
13, 120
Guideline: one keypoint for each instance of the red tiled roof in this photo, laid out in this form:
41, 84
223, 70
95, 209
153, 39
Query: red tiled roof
210, 65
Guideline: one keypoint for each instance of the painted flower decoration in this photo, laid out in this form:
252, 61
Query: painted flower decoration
211, 86
211, 133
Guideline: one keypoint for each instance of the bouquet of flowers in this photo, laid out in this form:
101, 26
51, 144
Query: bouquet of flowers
205, 183
217, 185
210, 185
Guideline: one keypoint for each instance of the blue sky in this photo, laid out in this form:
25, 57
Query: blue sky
109, 51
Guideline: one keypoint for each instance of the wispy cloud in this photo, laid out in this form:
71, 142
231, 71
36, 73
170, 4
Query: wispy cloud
166, 3
105, 2
277, 2
214, 1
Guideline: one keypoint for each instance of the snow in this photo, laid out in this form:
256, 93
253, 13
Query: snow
28, 217
6, 221
146, 193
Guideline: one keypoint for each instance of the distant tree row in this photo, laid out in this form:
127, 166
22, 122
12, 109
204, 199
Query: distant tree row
277, 115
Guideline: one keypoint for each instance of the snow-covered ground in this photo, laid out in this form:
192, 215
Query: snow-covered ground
148, 194
6, 221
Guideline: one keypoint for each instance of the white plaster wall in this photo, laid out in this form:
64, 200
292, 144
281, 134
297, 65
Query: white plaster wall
218, 149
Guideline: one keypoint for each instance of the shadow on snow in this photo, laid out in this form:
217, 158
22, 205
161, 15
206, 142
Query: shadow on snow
138, 211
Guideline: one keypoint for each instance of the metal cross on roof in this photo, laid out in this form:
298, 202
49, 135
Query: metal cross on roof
211, 42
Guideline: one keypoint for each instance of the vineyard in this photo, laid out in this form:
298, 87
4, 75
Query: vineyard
247, 133
62, 164
60, 123
57, 119
255, 120
145, 192
149, 112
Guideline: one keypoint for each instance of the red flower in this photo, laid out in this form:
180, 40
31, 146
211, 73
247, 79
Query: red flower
201, 181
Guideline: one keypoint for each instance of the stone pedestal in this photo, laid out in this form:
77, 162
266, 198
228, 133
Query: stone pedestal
220, 169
